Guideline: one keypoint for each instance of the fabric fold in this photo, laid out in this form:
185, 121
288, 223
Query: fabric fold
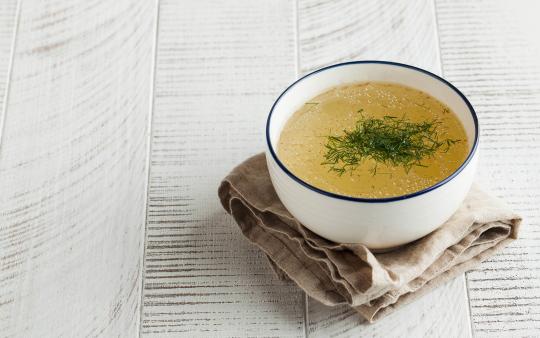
374, 284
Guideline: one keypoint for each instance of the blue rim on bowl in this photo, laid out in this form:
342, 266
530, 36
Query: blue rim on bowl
375, 200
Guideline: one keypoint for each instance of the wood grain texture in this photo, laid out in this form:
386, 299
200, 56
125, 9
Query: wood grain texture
490, 50
442, 313
403, 31
220, 65
345, 30
73, 169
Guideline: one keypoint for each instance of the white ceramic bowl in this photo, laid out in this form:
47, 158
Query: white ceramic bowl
379, 223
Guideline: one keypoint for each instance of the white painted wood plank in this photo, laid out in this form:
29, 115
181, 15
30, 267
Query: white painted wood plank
439, 314
73, 171
491, 50
403, 31
220, 65
344, 30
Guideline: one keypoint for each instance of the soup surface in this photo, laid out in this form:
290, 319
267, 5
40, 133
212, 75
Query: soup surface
373, 140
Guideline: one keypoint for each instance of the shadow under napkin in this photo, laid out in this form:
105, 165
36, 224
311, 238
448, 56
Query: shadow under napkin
374, 284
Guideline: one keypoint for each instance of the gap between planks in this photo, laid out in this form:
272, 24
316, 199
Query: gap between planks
13, 44
148, 163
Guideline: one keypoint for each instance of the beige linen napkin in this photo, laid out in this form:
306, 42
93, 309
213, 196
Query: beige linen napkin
374, 284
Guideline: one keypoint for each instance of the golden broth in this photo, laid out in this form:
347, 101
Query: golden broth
302, 142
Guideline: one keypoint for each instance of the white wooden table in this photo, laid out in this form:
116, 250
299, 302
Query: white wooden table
119, 118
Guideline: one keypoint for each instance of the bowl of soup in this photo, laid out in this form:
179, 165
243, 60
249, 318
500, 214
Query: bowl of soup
372, 152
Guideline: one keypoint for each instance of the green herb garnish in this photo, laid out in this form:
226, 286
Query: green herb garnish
388, 140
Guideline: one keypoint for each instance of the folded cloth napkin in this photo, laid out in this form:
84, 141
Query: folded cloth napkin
374, 284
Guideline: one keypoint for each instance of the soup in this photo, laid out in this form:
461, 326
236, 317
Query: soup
373, 140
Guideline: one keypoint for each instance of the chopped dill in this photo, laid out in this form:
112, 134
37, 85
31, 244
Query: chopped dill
388, 140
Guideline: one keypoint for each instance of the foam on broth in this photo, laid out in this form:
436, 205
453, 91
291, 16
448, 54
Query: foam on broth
302, 142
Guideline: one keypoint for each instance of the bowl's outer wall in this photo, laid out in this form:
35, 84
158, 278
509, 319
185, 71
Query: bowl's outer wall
379, 225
